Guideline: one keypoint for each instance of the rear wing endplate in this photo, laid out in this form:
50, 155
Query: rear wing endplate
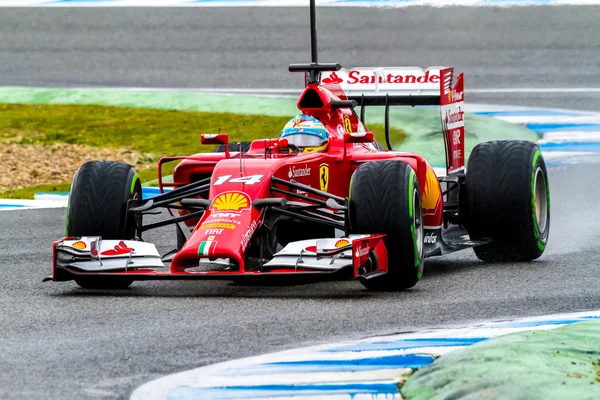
408, 86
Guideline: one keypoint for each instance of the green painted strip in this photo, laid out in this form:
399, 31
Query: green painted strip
541, 245
410, 192
410, 214
562, 363
421, 124
536, 231
535, 157
415, 248
133, 181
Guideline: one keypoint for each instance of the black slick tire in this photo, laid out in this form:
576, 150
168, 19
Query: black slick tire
98, 203
385, 198
507, 200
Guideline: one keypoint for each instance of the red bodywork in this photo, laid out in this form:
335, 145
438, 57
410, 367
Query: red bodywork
228, 225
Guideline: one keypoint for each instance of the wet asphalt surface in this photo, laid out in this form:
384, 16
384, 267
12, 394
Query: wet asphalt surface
61, 342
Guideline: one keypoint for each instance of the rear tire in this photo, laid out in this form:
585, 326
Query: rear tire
385, 198
98, 203
507, 200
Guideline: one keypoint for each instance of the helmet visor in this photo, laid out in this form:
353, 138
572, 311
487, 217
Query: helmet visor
304, 140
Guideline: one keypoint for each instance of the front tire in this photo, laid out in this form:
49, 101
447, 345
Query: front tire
98, 206
385, 198
507, 200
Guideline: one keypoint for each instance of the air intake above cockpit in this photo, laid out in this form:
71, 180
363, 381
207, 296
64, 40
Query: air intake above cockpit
310, 99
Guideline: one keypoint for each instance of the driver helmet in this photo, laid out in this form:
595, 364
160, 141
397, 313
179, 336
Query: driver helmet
307, 133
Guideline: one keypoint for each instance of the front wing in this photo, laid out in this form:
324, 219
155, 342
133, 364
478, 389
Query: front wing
74, 257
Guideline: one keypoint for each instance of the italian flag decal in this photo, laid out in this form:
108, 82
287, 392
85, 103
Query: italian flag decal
206, 247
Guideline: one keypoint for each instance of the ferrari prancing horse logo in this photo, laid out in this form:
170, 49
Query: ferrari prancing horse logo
324, 177
348, 125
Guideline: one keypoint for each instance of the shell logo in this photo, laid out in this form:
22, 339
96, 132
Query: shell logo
432, 191
341, 243
231, 201
79, 245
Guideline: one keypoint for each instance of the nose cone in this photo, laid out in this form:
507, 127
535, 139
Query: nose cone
224, 231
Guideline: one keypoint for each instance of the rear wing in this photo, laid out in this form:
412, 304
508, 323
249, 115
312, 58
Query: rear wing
408, 86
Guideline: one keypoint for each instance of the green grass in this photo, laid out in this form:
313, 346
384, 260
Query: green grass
28, 192
150, 131
156, 132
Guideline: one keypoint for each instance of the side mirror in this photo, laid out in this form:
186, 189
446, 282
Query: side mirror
280, 144
216, 138
277, 146
359, 137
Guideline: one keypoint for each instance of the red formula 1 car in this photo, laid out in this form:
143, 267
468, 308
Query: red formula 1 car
290, 206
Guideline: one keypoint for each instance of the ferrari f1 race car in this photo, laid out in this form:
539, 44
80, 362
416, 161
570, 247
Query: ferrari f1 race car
324, 200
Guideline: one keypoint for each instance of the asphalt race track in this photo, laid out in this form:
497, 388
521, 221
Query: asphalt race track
251, 47
61, 342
